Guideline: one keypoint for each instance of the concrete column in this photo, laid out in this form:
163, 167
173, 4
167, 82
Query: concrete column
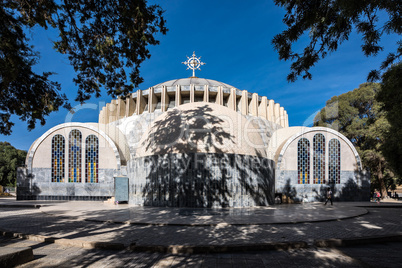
282, 116
277, 113
271, 116
112, 111
106, 114
101, 119
286, 119
178, 96
232, 99
164, 99
152, 100
254, 104
219, 96
140, 102
244, 102
206, 93
130, 106
121, 108
192, 93
262, 109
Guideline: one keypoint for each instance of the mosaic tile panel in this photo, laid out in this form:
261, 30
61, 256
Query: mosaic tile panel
58, 158
91, 159
303, 161
334, 159
318, 159
74, 152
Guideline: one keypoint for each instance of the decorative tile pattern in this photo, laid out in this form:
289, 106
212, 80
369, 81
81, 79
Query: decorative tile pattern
58, 158
303, 161
74, 152
91, 159
334, 167
318, 159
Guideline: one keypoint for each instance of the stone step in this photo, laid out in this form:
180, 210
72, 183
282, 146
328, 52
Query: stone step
13, 256
111, 200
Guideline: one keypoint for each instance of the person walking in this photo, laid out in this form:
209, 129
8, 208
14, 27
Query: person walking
378, 197
329, 196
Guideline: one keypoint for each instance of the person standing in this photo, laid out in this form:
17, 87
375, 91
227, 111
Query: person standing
378, 197
329, 196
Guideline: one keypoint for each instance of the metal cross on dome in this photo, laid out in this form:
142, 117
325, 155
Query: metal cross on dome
193, 63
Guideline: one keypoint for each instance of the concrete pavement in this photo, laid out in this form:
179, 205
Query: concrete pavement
171, 231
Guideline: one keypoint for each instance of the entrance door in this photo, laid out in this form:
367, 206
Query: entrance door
121, 189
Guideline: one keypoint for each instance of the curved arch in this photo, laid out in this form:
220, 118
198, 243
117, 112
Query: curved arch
36, 144
317, 129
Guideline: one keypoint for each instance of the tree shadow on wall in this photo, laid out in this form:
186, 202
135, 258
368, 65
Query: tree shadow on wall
289, 193
357, 187
26, 190
189, 166
321, 194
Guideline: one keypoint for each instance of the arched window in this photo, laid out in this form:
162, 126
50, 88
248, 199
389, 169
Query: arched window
334, 159
318, 159
74, 154
303, 161
58, 158
91, 159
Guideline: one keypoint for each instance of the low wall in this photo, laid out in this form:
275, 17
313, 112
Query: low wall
37, 185
354, 186
201, 180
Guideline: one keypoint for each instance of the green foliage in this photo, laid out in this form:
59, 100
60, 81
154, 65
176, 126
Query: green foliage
23, 93
358, 115
328, 24
100, 38
390, 97
10, 159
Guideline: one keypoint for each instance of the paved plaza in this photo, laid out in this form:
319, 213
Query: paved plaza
93, 233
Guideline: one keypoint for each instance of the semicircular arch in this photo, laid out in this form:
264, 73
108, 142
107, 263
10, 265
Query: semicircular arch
37, 143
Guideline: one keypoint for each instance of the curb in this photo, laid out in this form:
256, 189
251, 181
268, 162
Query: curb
334, 242
13, 256
20, 206
202, 249
65, 242
139, 223
174, 249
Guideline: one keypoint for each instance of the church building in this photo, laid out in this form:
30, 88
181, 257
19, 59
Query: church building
192, 142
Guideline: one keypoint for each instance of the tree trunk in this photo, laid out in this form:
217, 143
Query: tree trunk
383, 190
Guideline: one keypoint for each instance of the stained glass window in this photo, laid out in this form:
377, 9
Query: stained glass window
303, 161
91, 159
334, 165
319, 159
58, 158
74, 160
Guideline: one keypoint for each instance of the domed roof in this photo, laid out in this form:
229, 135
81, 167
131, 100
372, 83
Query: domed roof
202, 128
193, 81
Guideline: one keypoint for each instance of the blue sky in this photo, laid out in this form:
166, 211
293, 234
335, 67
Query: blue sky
234, 39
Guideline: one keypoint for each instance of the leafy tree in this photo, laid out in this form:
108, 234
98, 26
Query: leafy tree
100, 38
358, 115
328, 24
390, 97
10, 159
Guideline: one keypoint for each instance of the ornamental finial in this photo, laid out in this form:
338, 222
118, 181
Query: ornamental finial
193, 63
